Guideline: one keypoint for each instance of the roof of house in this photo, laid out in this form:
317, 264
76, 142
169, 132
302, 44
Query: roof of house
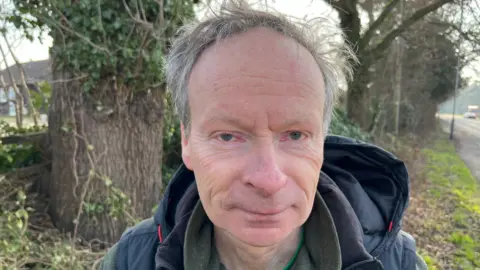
35, 71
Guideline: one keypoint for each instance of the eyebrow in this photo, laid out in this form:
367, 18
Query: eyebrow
230, 121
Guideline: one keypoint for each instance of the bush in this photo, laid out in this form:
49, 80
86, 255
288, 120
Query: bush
343, 126
172, 150
15, 156
28, 239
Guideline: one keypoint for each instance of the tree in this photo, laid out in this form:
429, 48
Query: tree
429, 73
106, 113
19, 100
371, 44
25, 93
16, 80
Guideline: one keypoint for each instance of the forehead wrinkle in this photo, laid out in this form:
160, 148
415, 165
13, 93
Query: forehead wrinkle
258, 81
244, 123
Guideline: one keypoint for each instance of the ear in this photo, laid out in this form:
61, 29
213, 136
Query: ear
185, 147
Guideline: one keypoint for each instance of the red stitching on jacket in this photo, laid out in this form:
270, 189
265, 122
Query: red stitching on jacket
160, 234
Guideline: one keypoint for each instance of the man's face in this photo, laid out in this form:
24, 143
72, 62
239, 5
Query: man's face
255, 143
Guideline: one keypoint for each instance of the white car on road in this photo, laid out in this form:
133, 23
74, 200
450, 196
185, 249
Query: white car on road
470, 115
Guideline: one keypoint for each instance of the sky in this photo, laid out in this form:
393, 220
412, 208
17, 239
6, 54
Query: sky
31, 51
27, 51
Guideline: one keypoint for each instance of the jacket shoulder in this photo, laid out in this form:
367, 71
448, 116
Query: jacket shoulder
402, 255
135, 249
108, 260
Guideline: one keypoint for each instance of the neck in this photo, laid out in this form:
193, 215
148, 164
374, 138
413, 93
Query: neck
235, 254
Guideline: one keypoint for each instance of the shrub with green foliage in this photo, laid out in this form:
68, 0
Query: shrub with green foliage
172, 149
14, 156
343, 126
28, 239
41, 101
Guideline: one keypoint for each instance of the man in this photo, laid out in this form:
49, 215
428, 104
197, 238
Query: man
262, 185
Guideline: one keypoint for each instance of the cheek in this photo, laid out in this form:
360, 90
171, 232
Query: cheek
214, 174
304, 168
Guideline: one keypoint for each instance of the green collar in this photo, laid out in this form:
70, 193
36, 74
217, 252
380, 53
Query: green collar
294, 258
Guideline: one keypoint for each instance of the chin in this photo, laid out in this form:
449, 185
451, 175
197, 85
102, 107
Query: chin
261, 232
262, 237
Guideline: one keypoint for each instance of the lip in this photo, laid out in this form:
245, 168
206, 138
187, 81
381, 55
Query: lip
266, 213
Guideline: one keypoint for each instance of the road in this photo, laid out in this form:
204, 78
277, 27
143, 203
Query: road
467, 137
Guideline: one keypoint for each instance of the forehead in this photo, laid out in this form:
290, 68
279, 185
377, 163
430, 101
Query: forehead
259, 52
250, 73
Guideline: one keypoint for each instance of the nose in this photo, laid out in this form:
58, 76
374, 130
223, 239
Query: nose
264, 172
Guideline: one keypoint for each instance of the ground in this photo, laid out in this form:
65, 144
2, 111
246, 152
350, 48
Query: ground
444, 212
467, 140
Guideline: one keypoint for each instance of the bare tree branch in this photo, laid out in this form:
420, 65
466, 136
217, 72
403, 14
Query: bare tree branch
161, 18
468, 36
368, 6
100, 21
135, 18
471, 9
18, 95
342, 5
383, 45
73, 32
21, 71
142, 10
377, 23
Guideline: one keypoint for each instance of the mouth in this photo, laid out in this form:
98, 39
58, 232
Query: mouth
264, 213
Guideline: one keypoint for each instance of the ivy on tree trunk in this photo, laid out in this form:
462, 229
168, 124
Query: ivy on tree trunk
106, 114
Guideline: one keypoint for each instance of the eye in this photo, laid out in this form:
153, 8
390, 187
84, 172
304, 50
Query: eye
226, 137
295, 135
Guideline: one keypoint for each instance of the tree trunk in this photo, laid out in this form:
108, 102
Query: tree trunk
357, 96
103, 160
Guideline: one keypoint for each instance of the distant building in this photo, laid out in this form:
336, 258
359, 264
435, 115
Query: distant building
473, 108
35, 72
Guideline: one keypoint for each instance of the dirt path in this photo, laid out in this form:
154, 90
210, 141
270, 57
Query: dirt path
467, 141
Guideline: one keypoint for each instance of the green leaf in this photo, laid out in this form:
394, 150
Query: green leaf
66, 129
117, 25
19, 224
108, 182
107, 14
100, 209
21, 196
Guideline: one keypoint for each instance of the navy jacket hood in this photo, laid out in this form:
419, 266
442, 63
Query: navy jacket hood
376, 184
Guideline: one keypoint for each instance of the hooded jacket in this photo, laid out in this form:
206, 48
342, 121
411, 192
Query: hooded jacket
365, 188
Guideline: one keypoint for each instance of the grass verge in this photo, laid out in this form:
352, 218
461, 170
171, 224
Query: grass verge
444, 213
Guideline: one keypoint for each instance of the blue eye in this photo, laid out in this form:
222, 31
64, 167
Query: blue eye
226, 137
295, 135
